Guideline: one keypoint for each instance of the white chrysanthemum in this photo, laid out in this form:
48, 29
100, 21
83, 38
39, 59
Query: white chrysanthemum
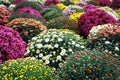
60, 64
107, 42
63, 51
82, 47
47, 40
38, 1
59, 40
54, 36
40, 55
12, 6
116, 48
77, 45
38, 51
59, 58
47, 61
39, 46
56, 45
70, 50
73, 42
110, 11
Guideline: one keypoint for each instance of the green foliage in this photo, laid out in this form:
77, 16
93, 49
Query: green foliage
6, 2
62, 23
31, 4
51, 12
25, 15
25, 69
57, 23
52, 46
38, 1
90, 65
66, 2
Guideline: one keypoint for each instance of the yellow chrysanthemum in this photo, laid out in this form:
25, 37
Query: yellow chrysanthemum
118, 12
61, 6
76, 1
75, 16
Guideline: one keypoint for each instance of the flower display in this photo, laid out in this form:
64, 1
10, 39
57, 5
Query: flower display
93, 18
11, 44
105, 38
90, 65
75, 16
52, 46
29, 11
4, 14
61, 6
25, 69
50, 2
110, 11
27, 27
30, 4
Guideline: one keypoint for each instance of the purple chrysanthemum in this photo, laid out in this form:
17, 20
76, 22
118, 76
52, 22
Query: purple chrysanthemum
93, 18
118, 21
29, 11
89, 7
68, 11
11, 44
49, 2
81, 4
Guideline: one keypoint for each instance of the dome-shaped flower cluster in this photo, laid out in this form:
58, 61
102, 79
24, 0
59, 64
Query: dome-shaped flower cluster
90, 65
105, 38
26, 69
11, 44
53, 46
4, 14
93, 18
27, 28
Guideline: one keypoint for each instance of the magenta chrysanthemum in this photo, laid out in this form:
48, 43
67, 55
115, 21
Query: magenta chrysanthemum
116, 4
11, 44
18, 1
93, 18
49, 2
104, 2
29, 11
